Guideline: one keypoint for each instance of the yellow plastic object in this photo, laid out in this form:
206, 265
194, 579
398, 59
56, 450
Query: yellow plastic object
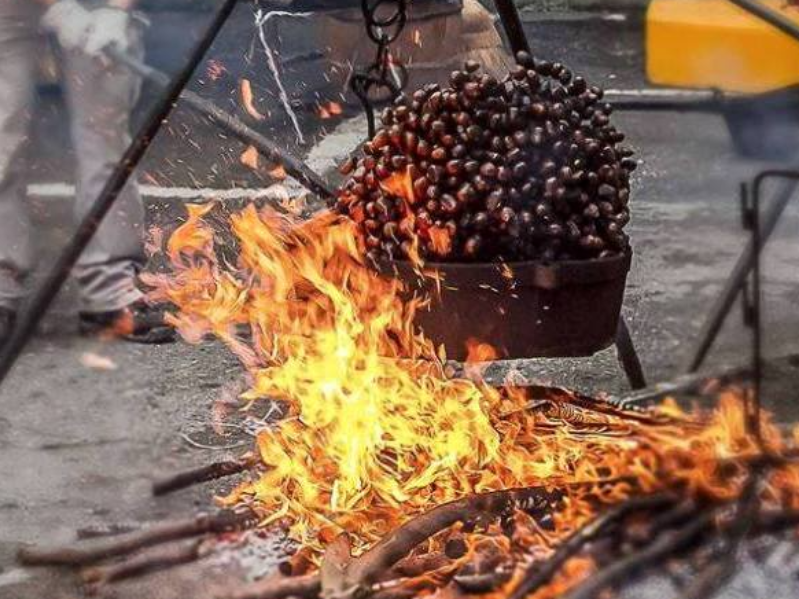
715, 44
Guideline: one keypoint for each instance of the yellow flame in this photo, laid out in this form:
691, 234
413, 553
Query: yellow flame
376, 433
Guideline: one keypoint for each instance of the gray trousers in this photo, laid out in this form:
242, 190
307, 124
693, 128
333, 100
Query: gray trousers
99, 100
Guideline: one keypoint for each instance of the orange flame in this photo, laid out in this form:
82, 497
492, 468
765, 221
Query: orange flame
400, 184
376, 432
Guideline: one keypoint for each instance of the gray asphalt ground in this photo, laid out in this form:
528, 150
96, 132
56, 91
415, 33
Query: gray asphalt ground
79, 446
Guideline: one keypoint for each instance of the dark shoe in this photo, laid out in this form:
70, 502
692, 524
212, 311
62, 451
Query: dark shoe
7, 319
139, 322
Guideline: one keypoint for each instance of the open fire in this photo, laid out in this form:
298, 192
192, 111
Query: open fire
376, 434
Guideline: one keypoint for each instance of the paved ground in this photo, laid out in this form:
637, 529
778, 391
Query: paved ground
79, 445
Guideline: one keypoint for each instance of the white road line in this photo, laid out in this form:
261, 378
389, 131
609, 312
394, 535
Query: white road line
66, 190
13, 577
661, 93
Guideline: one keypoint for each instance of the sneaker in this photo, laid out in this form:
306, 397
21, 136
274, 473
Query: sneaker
139, 322
7, 319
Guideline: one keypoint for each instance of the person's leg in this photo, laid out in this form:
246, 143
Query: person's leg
18, 40
100, 99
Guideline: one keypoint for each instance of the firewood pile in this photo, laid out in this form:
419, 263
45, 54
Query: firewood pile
510, 543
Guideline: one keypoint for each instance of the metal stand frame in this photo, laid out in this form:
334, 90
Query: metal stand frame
628, 356
743, 267
748, 265
41, 300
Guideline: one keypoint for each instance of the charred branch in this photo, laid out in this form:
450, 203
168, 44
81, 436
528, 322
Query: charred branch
305, 587
146, 563
97, 531
485, 582
607, 407
203, 474
366, 570
687, 384
165, 532
540, 574
665, 545
417, 565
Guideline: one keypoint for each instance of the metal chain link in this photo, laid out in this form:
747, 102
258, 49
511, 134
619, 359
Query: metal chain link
386, 73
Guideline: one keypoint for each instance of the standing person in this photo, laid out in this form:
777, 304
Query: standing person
100, 97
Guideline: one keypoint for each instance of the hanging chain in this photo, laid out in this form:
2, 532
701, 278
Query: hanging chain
386, 73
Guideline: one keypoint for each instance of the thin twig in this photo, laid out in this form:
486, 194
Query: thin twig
684, 384
718, 573
484, 582
665, 545
97, 531
540, 574
158, 559
305, 587
194, 476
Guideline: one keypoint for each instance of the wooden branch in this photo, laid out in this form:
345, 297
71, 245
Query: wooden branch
538, 575
773, 522
606, 406
203, 474
407, 588
711, 579
309, 586
685, 384
88, 553
417, 565
366, 570
96, 531
158, 559
305, 587
485, 582
665, 545
644, 533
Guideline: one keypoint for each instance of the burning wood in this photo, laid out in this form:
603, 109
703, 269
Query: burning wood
401, 460
214, 471
145, 563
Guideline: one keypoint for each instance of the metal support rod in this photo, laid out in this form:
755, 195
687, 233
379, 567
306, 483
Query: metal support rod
666, 105
512, 24
770, 16
740, 272
685, 384
755, 316
40, 301
241, 131
625, 350
676, 100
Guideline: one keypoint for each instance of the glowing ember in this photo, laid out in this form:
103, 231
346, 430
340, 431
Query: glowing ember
278, 172
250, 158
372, 439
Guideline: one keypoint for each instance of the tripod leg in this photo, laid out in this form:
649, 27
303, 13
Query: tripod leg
740, 272
628, 357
